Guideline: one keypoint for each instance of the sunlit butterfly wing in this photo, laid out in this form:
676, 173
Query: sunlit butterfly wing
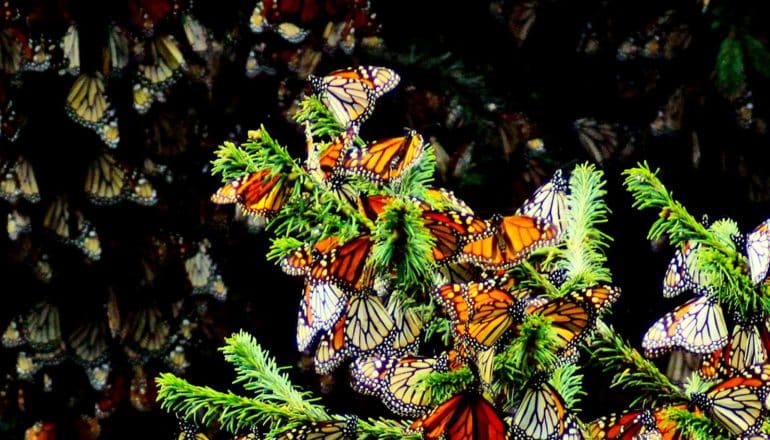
549, 202
385, 161
368, 322
507, 240
697, 326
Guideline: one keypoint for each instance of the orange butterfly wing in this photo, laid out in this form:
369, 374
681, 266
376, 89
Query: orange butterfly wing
464, 416
506, 240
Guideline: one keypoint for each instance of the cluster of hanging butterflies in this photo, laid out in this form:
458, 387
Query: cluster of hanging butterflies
733, 358
347, 313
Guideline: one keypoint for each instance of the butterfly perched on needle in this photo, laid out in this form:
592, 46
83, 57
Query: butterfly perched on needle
350, 93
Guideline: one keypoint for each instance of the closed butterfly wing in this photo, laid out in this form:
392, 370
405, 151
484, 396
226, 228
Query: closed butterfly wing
682, 273
697, 326
549, 202
542, 414
737, 403
758, 251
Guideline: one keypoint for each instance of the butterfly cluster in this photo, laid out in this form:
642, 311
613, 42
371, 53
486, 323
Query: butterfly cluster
731, 359
355, 308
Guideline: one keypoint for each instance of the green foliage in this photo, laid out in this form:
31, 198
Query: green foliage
630, 370
723, 263
583, 257
444, 385
758, 55
730, 75
695, 426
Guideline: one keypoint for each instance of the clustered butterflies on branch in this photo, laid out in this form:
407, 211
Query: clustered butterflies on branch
348, 312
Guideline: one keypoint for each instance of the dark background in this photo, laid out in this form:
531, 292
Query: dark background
545, 78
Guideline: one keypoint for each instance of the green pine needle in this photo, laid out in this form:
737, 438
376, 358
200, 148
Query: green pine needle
730, 75
629, 368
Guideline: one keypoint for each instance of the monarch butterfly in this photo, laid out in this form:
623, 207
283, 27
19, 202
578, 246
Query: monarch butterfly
448, 229
142, 392
203, 274
758, 251
345, 264
41, 431
738, 403
542, 414
139, 190
189, 431
27, 366
363, 327
105, 179
397, 381
14, 49
749, 345
72, 228
521, 19
116, 53
13, 336
18, 224
145, 334
407, 326
600, 139
176, 359
42, 330
549, 202
637, 424
507, 240
259, 193
697, 326
669, 119
197, 35
89, 347
350, 93
467, 415
385, 161
162, 65
70, 46
320, 307
112, 310
87, 104
328, 430
27, 183
682, 273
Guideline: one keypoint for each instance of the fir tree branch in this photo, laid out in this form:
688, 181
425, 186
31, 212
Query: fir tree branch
568, 381
725, 266
696, 426
674, 221
232, 411
631, 369
386, 429
258, 373
445, 384
583, 257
